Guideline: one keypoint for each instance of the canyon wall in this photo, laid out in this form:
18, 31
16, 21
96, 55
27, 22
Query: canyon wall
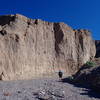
33, 48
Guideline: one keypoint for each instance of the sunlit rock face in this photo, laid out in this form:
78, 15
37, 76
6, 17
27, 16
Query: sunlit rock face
33, 48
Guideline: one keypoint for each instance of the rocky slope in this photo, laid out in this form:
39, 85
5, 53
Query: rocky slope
31, 48
88, 76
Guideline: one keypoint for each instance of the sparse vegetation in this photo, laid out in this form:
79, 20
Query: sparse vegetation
90, 63
71, 78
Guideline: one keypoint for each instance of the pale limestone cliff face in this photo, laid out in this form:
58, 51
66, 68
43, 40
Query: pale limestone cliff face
31, 48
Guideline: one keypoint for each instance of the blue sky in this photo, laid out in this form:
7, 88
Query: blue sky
78, 14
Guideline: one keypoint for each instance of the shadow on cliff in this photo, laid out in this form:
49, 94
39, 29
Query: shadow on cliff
86, 89
6, 19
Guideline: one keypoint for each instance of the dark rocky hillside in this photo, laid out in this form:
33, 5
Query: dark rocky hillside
97, 43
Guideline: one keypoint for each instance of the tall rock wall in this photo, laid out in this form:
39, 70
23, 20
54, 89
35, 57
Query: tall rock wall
31, 48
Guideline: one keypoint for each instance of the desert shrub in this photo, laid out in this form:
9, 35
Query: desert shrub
71, 78
90, 63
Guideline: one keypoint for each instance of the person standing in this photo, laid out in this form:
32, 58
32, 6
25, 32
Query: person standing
60, 74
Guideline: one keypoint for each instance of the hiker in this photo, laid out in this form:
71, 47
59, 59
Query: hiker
1, 75
60, 74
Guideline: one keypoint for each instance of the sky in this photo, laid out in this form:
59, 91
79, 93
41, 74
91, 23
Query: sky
79, 14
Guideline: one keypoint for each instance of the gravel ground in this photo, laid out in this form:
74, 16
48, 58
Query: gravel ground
44, 89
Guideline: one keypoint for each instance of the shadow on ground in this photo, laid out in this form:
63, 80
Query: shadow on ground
88, 91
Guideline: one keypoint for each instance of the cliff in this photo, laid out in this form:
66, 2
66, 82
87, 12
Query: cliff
31, 48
